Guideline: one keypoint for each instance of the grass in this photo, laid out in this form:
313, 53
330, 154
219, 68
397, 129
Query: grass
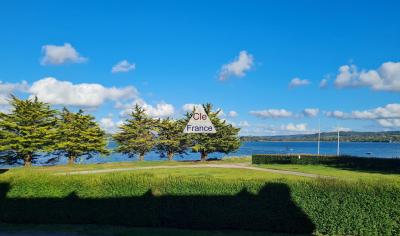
112, 165
184, 197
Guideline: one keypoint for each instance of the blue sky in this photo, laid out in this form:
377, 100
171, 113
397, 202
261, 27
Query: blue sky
261, 62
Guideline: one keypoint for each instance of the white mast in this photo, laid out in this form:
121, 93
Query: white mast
319, 133
338, 141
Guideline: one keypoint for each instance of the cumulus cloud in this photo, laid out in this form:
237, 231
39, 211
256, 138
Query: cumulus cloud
232, 114
238, 67
109, 125
311, 112
385, 78
188, 107
123, 66
386, 116
272, 113
389, 111
284, 129
294, 127
57, 55
8, 88
59, 92
160, 110
297, 82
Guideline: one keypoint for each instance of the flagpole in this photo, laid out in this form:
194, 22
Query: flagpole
338, 141
319, 133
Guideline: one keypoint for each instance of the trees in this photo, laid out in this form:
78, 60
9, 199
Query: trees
171, 139
138, 135
27, 130
78, 134
225, 140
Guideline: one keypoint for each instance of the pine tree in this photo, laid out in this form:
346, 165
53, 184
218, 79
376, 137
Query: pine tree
27, 131
225, 140
78, 134
171, 140
137, 135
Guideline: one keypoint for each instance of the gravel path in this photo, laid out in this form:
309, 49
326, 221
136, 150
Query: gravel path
227, 166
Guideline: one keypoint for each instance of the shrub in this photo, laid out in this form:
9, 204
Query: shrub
391, 165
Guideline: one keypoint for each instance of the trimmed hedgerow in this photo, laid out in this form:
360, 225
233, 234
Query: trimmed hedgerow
351, 162
322, 206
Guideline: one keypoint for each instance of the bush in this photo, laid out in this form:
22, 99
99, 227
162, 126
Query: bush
145, 200
391, 165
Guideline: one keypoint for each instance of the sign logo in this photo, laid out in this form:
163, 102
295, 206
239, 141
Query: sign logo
199, 122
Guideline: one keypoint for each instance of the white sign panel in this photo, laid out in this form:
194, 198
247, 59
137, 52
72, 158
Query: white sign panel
199, 122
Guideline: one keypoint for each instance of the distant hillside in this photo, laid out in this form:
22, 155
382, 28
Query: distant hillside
350, 136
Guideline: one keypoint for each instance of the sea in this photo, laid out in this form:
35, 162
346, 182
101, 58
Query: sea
360, 149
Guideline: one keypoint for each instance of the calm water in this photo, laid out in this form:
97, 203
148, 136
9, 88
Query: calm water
382, 150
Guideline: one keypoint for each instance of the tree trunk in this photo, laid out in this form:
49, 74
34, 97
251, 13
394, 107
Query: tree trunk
204, 156
71, 160
170, 156
141, 156
28, 160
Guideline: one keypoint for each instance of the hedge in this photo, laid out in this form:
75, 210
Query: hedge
304, 206
366, 163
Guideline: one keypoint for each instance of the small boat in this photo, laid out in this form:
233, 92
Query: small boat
368, 153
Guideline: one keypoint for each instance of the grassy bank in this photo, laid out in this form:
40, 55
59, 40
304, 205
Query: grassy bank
207, 199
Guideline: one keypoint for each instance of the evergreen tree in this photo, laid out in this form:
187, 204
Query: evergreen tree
27, 131
171, 140
78, 134
225, 140
137, 135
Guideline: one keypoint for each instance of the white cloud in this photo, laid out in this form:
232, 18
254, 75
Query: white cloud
389, 123
294, 127
387, 116
311, 112
390, 111
335, 114
8, 88
160, 110
232, 114
297, 82
57, 55
385, 78
58, 92
188, 107
323, 84
284, 129
123, 66
238, 67
272, 113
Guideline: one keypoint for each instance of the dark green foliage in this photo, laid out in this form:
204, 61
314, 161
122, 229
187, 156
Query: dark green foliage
328, 207
78, 134
225, 140
171, 140
345, 136
137, 135
26, 131
391, 165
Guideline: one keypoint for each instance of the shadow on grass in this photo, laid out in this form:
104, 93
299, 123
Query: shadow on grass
272, 209
3, 171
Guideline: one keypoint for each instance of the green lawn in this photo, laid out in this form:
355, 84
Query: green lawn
185, 197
